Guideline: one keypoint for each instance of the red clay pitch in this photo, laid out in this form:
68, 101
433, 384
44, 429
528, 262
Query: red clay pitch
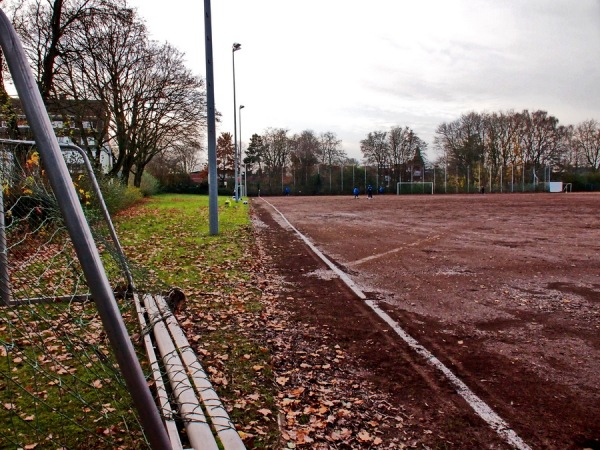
503, 288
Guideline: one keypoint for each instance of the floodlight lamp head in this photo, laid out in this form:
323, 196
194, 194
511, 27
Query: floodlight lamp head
236, 47
241, 106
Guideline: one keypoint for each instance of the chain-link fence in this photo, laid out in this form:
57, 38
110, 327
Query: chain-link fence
59, 382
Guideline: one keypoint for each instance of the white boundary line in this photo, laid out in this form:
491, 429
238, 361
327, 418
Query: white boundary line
479, 406
358, 262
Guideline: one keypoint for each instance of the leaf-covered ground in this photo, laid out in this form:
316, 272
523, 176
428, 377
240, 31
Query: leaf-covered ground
286, 382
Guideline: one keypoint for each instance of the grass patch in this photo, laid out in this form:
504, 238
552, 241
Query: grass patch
59, 385
59, 382
169, 235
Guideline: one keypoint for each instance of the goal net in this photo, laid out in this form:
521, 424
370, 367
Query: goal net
408, 187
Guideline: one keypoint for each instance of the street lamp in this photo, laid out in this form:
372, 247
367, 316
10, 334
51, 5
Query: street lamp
240, 151
234, 49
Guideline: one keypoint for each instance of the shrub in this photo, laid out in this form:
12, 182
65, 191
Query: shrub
117, 196
149, 185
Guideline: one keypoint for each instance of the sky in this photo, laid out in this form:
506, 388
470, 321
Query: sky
352, 67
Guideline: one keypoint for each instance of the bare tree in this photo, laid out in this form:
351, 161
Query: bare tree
168, 109
541, 137
403, 144
276, 154
46, 28
153, 100
587, 141
186, 154
375, 149
331, 151
305, 154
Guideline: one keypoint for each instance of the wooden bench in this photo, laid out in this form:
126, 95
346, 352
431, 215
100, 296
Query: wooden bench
193, 398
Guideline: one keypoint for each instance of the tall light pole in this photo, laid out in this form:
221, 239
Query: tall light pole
234, 49
240, 150
213, 186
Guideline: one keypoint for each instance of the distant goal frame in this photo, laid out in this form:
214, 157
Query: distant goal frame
416, 187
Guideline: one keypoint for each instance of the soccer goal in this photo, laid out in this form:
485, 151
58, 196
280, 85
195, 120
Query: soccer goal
408, 187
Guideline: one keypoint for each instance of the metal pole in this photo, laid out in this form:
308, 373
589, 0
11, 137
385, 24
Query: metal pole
342, 179
4, 275
446, 177
512, 178
105, 213
79, 231
240, 154
234, 49
213, 184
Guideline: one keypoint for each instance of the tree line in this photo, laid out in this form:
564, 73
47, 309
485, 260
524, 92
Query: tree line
311, 162
97, 55
276, 159
489, 146
478, 149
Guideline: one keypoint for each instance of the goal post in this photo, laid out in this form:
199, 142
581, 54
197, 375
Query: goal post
408, 187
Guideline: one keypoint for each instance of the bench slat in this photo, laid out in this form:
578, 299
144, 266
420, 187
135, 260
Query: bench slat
196, 425
224, 427
163, 397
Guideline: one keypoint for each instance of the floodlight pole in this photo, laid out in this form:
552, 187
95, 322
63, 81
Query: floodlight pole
240, 153
234, 49
213, 187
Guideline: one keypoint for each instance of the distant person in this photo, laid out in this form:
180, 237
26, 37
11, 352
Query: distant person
287, 190
381, 189
355, 192
370, 192
483, 189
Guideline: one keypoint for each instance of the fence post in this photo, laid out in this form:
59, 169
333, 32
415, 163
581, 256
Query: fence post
4, 276
79, 231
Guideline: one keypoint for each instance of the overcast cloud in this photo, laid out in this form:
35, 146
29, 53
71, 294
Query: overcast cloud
352, 67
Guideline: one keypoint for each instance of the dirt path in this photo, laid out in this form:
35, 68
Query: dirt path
503, 289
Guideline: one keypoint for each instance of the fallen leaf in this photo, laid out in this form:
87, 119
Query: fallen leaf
282, 380
364, 436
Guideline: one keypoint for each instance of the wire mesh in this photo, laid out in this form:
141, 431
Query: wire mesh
60, 386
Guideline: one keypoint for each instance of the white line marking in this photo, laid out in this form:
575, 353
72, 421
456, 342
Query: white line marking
372, 257
389, 252
479, 406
